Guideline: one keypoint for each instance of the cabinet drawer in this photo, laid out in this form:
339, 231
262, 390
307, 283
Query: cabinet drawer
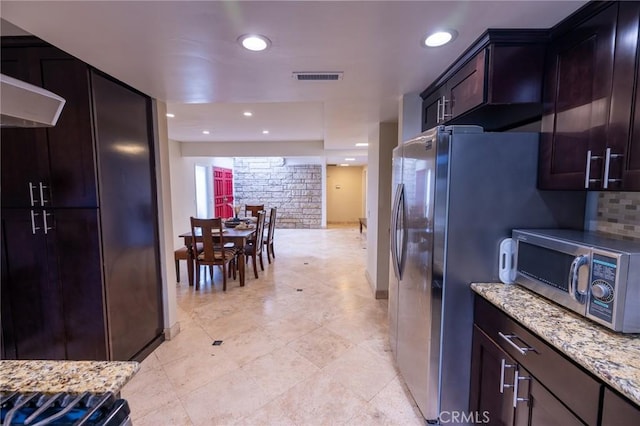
567, 381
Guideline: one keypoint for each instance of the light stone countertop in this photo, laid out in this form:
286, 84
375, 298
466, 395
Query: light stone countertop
612, 357
66, 376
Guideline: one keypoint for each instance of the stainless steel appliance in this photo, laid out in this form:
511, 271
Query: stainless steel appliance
63, 409
592, 274
458, 192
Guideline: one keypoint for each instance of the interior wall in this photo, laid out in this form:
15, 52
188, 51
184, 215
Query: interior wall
295, 189
382, 140
165, 220
344, 194
365, 186
183, 188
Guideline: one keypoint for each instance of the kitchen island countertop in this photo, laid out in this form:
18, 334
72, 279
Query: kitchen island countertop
66, 376
612, 357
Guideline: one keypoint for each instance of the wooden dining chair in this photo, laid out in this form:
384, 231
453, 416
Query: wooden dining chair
215, 252
253, 209
253, 248
268, 238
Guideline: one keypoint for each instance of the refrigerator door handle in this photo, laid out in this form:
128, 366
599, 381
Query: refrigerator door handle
394, 229
402, 247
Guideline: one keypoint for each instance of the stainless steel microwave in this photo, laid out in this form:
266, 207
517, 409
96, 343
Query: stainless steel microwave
594, 275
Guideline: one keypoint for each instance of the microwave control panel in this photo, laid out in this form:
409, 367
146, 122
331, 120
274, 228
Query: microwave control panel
602, 287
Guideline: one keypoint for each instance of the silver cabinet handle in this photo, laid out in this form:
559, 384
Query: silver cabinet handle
574, 292
516, 381
34, 228
44, 221
503, 366
607, 164
508, 338
438, 105
31, 188
444, 109
587, 175
42, 200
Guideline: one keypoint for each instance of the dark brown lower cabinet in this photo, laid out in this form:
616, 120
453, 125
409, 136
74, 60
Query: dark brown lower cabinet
536, 405
617, 411
52, 300
520, 380
493, 385
492, 374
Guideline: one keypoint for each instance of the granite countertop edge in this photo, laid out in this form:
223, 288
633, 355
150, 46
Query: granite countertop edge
612, 357
74, 377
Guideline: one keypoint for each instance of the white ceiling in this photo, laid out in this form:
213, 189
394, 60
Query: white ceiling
186, 53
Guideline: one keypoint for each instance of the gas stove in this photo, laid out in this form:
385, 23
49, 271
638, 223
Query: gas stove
37, 409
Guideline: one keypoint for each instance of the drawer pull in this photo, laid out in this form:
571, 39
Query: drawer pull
503, 366
508, 338
516, 381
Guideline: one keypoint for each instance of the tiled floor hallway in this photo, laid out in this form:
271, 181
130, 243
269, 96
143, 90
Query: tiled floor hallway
305, 344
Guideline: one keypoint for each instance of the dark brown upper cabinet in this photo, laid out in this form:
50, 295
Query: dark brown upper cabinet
590, 120
623, 141
58, 172
496, 83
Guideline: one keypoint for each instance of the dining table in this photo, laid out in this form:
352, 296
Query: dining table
237, 236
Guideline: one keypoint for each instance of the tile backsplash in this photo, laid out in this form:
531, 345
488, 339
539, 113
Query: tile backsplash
619, 213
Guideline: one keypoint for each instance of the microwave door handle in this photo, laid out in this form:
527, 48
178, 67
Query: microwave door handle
574, 292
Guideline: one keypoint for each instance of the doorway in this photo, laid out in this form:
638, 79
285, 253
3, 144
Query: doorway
345, 195
203, 189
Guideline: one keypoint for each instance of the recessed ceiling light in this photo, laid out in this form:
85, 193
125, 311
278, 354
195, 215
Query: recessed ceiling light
362, 144
254, 42
265, 132
439, 38
170, 115
205, 132
349, 159
247, 113
343, 165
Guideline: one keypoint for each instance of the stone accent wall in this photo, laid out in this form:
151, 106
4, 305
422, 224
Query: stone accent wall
295, 190
619, 213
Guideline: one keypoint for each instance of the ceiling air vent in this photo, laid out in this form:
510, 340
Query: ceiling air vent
317, 76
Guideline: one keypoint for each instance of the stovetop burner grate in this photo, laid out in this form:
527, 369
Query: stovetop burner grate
37, 409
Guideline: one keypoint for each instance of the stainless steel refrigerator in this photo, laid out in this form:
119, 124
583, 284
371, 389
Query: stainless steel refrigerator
457, 193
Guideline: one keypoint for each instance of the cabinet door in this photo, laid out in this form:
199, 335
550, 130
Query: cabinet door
624, 128
492, 375
465, 89
72, 179
32, 325
51, 167
433, 112
618, 411
24, 153
576, 103
52, 296
536, 406
128, 216
77, 242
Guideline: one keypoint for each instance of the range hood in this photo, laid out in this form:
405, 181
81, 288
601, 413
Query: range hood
25, 105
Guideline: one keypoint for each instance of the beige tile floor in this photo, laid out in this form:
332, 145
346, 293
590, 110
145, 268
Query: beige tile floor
304, 344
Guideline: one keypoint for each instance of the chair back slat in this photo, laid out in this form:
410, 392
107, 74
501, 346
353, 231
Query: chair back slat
272, 224
205, 228
253, 209
260, 231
